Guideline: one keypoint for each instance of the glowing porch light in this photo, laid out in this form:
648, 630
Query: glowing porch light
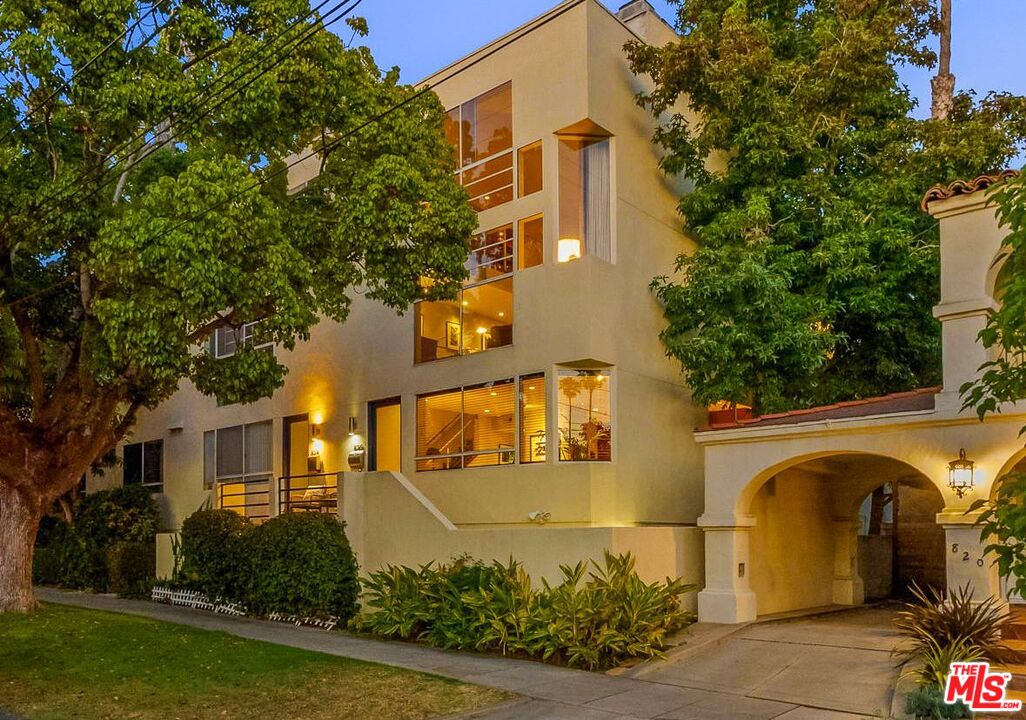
960, 474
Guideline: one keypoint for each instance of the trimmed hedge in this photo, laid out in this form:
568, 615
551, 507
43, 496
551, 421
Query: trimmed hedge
295, 564
215, 557
132, 567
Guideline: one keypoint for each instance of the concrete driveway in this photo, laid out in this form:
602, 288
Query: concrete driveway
834, 662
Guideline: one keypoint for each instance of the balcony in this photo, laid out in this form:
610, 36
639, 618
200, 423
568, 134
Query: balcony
309, 493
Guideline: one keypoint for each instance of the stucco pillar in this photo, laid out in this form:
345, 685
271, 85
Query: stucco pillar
727, 597
848, 586
966, 562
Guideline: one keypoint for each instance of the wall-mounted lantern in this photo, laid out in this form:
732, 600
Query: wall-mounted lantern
960, 474
314, 460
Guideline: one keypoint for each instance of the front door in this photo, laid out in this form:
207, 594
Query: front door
385, 433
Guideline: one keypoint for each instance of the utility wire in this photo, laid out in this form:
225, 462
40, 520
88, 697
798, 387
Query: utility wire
66, 84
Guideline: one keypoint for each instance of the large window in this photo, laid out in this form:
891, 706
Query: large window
144, 465
481, 317
584, 198
238, 464
481, 130
585, 416
530, 169
530, 242
476, 426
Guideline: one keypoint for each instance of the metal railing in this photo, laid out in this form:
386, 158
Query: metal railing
250, 497
318, 492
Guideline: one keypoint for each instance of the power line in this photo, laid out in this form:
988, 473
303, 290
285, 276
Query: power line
66, 84
248, 64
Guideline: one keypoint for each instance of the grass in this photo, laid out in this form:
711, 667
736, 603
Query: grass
69, 664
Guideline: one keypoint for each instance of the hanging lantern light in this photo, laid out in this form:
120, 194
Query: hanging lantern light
960, 474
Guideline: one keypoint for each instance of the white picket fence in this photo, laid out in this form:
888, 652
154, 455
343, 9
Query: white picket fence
198, 601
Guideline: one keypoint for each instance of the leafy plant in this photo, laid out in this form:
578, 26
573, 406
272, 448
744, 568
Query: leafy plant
927, 703
215, 558
302, 564
941, 629
591, 620
126, 513
1002, 524
132, 567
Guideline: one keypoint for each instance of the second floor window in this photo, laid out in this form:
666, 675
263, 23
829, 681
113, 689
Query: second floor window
144, 465
481, 130
227, 339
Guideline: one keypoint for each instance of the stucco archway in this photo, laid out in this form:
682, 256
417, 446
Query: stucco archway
809, 540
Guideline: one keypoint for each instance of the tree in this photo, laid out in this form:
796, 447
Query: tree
815, 272
144, 205
1002, 519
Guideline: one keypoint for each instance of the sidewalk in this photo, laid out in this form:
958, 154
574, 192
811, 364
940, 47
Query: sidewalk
550, 693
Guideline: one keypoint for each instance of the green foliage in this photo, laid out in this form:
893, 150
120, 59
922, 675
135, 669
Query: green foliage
927, 703
215, 553
1002, 524
119, 257
302, 564
815, 272
596, 621
126, 513
940, 629
76, 556
132, 567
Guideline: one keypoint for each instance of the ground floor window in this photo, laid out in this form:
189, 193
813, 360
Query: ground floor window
238, 465
144, 465
585, 415
479, 425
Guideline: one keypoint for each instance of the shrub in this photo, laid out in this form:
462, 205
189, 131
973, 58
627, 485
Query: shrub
132, 568
302, 565
939, 630
927, 703
215, 559
68, 561
125, 513
593, 622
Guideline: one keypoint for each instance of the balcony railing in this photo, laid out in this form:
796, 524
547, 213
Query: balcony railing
250, 497
309, 493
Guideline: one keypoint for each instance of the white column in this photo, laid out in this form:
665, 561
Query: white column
727, 597
967, 564
849, 588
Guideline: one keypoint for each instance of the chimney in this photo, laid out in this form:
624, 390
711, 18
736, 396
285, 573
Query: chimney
644, 21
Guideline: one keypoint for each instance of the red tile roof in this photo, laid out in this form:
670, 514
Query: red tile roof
922, 399
965, 187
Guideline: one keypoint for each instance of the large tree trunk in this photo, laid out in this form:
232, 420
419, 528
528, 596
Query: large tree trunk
20, 512
944, 82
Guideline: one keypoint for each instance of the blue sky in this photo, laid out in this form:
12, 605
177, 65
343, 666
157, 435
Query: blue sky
421, 37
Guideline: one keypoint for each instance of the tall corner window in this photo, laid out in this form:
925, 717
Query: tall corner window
585, 416
584, 198
530, 242
481, 130
481, 317
241, 460
530, 169
144, 465
533, 436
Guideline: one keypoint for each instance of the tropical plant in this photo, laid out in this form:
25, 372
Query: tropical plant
593, 619
815, 271
940, 628
145, 154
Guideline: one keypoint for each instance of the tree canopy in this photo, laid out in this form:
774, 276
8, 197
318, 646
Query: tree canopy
144, 203
815, 272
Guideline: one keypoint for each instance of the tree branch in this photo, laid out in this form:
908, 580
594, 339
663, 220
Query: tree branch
33, 357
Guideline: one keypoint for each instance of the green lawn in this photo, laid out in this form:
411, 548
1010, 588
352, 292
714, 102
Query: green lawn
65, 663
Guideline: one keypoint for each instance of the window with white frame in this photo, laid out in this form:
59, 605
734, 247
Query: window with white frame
237, 464
227, 339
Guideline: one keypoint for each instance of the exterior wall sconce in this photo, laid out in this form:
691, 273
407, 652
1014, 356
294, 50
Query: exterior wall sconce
314, 463
352, 425
960, 474
568, 249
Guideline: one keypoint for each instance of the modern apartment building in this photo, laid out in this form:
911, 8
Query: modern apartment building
537, 414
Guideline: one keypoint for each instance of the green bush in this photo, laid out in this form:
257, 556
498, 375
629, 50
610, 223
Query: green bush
215, 557
302, 564
132, 568
927, 703
596, 621
68, 561
125, 513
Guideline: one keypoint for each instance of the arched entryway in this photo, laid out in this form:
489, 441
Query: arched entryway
841, 529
